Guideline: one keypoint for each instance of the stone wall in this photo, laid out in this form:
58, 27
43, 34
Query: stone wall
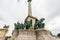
45, 35
26, 35
3, 33
14, 35
32, 35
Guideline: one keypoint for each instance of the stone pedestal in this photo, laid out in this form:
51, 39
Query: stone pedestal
3, 33
14, 35
26, 35
39, 34
44, 35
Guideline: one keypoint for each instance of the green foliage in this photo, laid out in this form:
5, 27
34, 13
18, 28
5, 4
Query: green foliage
6, 38
42, 19
16, 26
6, 26
22, 26
35, 25
19, 26
58, 35
39, 23
28, 24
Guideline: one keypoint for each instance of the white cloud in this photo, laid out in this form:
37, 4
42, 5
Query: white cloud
54, 25
11, 11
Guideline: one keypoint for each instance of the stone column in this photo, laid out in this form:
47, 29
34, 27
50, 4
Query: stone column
29, 9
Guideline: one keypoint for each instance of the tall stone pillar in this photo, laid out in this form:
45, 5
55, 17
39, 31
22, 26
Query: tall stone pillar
29, 8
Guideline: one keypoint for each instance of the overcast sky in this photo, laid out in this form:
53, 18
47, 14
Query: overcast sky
12, 11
